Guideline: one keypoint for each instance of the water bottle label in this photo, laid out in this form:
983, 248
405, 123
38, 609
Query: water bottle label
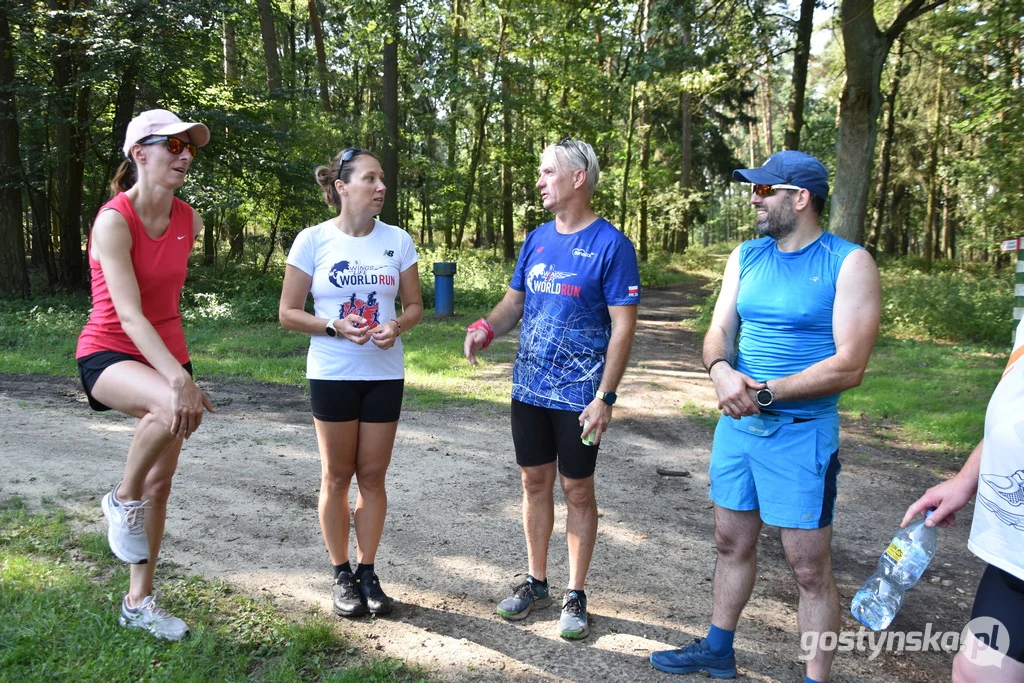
897, 549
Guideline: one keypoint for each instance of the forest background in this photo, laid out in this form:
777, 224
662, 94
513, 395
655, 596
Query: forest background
915, 105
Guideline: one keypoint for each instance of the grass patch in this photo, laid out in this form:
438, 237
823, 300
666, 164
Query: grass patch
936, 393
60, 620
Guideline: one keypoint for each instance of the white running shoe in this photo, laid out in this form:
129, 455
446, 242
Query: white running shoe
153, 618
126, 530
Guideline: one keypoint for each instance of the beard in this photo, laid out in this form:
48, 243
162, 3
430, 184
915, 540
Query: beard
779, 222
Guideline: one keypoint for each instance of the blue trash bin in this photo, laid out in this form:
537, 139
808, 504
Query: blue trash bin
444, 288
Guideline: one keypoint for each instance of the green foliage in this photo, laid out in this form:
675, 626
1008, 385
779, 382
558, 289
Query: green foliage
933, 393
60, 622
955, 305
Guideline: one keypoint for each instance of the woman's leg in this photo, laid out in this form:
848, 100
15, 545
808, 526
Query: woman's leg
156, 491
140, 391
376, 441
337, 442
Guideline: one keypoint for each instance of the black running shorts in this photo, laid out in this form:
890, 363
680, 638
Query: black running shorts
544, 435
364, 400
1001, 596
92, 366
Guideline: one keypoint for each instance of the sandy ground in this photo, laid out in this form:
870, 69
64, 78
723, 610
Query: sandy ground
244, 509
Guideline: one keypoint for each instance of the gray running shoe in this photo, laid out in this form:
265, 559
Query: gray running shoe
153, 618
526, 596
346, 597
126, 531
573, 623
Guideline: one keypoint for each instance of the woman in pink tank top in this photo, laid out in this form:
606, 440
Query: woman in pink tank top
132, 355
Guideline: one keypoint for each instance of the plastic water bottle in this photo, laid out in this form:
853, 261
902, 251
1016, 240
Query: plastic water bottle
899, 568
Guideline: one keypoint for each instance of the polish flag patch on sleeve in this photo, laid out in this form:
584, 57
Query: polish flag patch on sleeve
634, 290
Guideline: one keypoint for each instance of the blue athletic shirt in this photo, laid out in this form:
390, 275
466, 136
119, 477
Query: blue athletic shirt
569, 281
785, 306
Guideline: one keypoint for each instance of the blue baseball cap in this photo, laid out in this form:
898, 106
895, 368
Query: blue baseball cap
788, 167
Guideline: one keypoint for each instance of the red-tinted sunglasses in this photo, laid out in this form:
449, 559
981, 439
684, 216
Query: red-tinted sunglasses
769, 190
174, 145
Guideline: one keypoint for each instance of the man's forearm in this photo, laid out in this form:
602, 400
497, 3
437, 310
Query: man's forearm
824, 378
717, 345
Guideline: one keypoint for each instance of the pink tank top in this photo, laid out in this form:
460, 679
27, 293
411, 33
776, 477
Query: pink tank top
159, 266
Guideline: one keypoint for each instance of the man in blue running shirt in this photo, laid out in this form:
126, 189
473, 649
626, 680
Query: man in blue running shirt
794, 325
576, 288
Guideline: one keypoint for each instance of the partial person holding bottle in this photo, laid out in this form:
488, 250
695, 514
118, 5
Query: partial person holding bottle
132, 355
994, 473
356, 267
899, 569
576, 288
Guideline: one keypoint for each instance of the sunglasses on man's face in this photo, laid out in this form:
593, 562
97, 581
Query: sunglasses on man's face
174, 145
769, 190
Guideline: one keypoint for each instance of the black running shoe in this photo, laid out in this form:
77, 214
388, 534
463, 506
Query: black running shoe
347, 600
373, 596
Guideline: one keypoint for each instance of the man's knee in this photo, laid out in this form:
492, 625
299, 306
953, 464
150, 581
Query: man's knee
579, 493
813, 576
732, 544
537, 481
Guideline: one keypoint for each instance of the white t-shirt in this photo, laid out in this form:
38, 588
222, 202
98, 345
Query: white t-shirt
353, 275
997, 533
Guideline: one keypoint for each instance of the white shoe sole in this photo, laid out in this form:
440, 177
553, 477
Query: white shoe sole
112, 536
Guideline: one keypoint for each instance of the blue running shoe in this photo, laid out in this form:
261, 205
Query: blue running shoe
573, 622
694, 658
527, 595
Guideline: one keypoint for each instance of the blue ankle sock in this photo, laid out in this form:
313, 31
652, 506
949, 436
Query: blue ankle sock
808, 679
720, 640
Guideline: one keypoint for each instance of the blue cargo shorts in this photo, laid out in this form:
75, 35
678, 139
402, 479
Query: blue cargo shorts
784, 467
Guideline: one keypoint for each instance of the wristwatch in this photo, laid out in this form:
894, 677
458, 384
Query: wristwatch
765, 397
607, 396
330, 329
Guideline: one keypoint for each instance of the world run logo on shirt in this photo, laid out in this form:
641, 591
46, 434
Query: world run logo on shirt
543, 279
354, 274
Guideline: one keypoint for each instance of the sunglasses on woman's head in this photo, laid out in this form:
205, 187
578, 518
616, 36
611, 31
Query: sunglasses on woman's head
174, 145
347, 156
769, 190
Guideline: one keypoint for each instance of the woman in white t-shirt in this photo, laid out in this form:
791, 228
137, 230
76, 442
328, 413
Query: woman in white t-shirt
994, 474
355, 267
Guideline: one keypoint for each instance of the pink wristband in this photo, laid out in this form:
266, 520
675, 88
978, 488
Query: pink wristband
482, 324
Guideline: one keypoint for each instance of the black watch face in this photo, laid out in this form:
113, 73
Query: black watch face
764, 398
609, 397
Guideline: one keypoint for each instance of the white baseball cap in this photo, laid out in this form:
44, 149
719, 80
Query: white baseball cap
162, 122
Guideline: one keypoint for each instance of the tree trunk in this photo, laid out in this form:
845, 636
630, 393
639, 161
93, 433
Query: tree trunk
321, 55
623, 198
227, 28
865, 49
269, 32
881, 192
930, 244
645, 162
391, 114
71, 100
507, 226
686, 152
800, 58
13, 272
764, 97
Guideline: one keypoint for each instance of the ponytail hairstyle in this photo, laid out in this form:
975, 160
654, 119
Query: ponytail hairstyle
340, 168
124, 178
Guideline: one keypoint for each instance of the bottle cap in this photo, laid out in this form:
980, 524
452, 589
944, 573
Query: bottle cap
928, 514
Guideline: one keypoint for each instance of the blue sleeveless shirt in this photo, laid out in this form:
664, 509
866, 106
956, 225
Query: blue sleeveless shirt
785, 304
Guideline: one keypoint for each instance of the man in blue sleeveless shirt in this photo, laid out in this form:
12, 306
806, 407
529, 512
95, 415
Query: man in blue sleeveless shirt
576, 288
794, 325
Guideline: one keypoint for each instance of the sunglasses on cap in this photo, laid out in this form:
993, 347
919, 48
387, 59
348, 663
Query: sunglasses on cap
174, 145
769, 190
347, 156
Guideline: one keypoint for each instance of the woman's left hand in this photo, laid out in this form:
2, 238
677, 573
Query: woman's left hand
385, 335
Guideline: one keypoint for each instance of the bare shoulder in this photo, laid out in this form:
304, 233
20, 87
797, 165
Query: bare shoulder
858, 264
110, 230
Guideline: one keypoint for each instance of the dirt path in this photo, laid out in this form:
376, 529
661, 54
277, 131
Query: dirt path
244, 509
